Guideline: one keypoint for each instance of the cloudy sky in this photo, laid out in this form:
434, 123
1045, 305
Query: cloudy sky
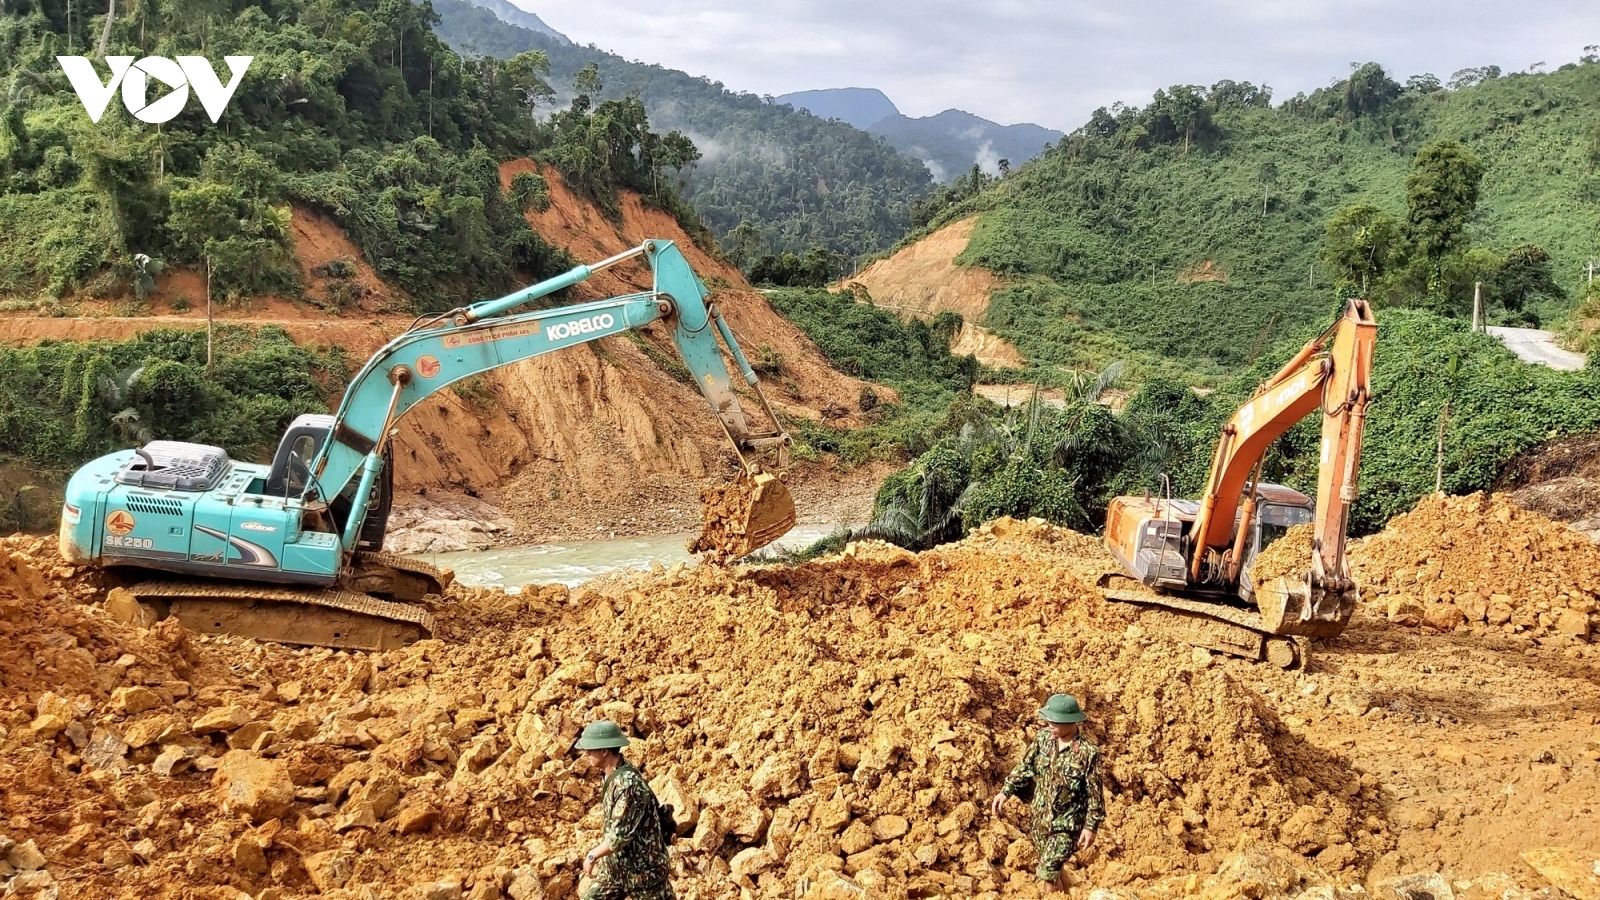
1054, 61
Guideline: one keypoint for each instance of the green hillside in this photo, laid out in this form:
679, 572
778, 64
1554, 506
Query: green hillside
351, 106
797, 181
1193, 229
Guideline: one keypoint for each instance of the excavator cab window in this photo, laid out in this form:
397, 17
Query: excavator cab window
1273, 520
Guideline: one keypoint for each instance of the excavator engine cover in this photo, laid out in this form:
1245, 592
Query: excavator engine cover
1294, 606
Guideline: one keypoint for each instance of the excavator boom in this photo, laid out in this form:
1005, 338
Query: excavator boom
1204, 548
313, 522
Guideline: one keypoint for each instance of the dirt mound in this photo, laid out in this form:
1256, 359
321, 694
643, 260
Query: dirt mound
1480, 560
1287, 557
923, 280
844, 719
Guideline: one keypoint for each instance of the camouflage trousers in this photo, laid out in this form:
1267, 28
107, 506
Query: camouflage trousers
1055, 849
616, 883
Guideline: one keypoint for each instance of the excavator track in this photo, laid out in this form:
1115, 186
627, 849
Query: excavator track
315, 617
390, 574
1214, 626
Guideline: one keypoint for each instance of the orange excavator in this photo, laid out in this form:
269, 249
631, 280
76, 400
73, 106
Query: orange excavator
1191, 562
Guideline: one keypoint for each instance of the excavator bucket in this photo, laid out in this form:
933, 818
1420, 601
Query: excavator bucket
743, 516
1296, 606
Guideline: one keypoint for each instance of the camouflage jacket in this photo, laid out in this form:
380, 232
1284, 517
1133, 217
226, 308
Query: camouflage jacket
632, 824
1068, 791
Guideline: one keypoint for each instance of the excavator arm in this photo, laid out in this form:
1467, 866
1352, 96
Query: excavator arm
448, 347
1331, 373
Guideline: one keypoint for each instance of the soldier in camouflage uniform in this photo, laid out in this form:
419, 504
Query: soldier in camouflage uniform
1061, 774
631, 859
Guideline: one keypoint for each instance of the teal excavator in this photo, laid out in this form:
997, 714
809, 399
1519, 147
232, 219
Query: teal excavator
292, 551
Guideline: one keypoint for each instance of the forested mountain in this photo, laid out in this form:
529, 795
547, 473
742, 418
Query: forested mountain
516, 15
795, 181
351, 106
861, 107
1201, 229
953, 141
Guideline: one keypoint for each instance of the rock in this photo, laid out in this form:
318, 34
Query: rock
888, 828
708, 834
831, 815
330, 869
1500, 611
856, 839
290, 691
257, 787
223, 718
416, 819
369, 803
48, 725
117, 855
778, 776
484, 890
685, 809
145, 851
436, 890
31, 883
173, 759
123, 606
1414, 816
249, 855
148, 731
1473, 605
525, 885
25, 857
1564, 868
1405, 610
248, 734
1420, 886
751, 861
106, 750
130, 701
1570, 621
1444, 617
830, 885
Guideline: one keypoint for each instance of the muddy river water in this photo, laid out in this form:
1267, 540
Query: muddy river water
573, 562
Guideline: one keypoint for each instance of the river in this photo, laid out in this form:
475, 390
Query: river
573, 562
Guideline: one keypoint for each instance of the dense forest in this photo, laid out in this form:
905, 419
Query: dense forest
1205, 225
793, 180
351, 106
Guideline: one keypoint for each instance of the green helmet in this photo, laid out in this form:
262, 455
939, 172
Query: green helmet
1062, 709
602, 735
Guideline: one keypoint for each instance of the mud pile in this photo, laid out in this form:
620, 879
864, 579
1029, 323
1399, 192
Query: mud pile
1480, 560
1287, 557
834, 724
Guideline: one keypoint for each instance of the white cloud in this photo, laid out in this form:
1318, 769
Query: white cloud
1054, 61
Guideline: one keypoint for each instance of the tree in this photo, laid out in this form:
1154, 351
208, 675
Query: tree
1369, 91
1269, 177
743, 242
527, 72
1525, 275
1363, 243
1441, 193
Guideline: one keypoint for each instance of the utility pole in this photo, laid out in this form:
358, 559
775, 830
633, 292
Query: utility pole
1477, 304
208, 315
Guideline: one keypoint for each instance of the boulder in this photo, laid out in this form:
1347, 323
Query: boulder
25, 857
330, 869
259, 788
1420, 886
223, 718
888, 828
1576, 875
130, 701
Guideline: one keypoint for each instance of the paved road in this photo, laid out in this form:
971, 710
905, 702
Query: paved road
1535, 346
